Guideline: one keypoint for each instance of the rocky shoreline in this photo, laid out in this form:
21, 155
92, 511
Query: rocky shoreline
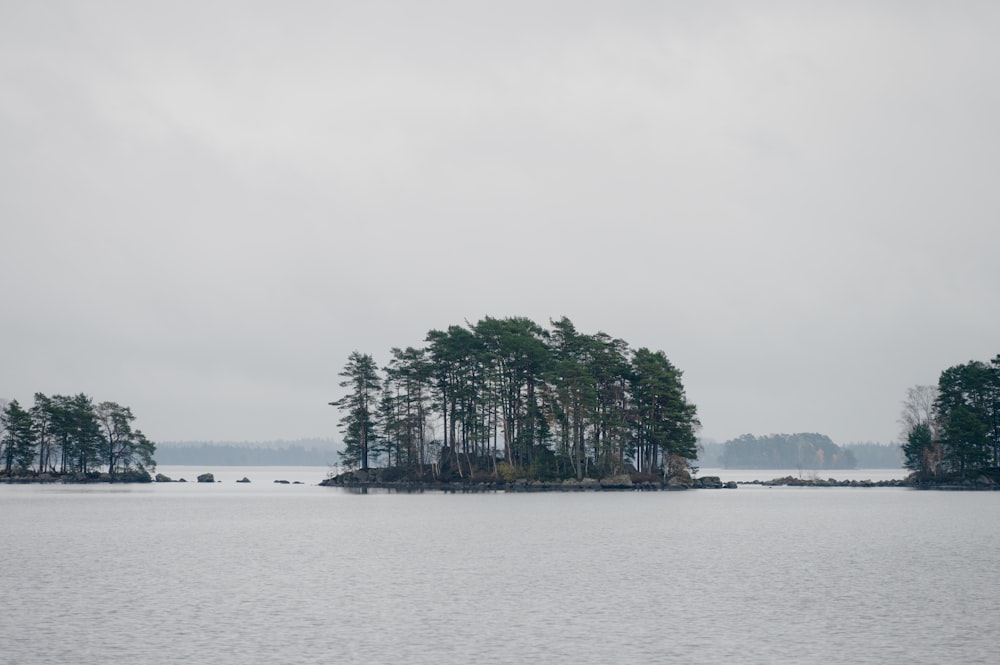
76, 478
978, 483
374, 479
361, 480
792, 481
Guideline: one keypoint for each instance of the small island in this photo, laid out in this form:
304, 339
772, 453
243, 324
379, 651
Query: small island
70, 439
507, 402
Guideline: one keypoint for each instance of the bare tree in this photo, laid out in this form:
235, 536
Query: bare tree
918, 407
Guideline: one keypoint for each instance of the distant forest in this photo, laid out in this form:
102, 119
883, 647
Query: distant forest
798, 451
302, 452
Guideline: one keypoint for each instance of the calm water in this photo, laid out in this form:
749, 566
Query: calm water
266, 573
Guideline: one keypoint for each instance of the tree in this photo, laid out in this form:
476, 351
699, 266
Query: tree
965, 411
663, 420
919, 434
360, 407
517, 352
77, 432
921, 452
462, 380
19, 437
43, 414
406, 421
918, 407
122, 447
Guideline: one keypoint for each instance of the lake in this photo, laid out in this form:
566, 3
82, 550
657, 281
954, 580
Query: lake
265, 573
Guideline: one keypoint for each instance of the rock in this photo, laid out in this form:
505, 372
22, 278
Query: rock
711, 482
206, 478
679, 482
280, 482
160, 478
731, 485
244, 479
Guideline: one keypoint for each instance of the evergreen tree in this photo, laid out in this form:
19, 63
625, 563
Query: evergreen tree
77, 432
360, 408
966, 414
19, 441
663, 420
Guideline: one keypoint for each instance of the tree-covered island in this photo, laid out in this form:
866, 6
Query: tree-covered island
803, 451
69, 438
506, 400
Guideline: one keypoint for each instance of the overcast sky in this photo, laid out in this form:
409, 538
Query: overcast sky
206, 206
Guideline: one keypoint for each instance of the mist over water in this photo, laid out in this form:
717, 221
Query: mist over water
265, 572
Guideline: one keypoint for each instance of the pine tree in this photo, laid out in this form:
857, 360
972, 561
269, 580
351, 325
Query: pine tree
360, 408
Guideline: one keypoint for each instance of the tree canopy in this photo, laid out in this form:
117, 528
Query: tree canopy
953, 428
510, 398
63, 434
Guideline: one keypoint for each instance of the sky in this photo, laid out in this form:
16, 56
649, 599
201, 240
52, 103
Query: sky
205, 207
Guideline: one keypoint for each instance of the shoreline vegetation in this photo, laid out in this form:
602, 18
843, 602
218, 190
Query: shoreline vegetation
508, 400
374, 479
72, 438
506, 404
377, 479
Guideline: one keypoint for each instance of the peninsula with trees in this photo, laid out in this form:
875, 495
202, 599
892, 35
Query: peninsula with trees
951, 431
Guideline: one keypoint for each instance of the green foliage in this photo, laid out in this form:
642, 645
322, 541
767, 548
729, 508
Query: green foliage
121, 446
953, 429
360, 409
967, 413
506, 472
920, 451
548, 404
663, 421
18, 443
68, 434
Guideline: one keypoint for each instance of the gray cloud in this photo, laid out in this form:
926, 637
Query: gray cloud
207, 206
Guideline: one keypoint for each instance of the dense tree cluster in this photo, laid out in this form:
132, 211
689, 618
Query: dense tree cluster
786, 451
953, 429
508, 398
63, 434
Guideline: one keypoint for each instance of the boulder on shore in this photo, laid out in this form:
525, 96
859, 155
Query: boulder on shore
160, 478
206, 478
244, 479
679, 482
